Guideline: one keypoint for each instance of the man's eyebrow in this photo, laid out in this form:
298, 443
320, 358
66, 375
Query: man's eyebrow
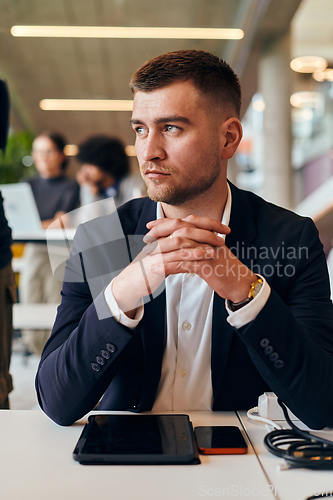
167, 119
173, 118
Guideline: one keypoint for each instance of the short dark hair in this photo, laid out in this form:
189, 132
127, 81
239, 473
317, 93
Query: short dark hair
107, 153
59, 140
210, 74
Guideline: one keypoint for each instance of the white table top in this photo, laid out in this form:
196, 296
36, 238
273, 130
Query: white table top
56, 235
34, 316
291, 484
36, 464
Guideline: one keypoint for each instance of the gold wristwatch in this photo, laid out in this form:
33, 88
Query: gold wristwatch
254, 290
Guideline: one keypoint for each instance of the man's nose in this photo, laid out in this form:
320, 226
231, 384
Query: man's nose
153, 148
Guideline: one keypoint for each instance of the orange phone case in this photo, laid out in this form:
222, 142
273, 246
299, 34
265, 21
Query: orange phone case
223, 451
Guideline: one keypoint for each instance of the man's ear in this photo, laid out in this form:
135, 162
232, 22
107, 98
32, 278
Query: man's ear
231, 134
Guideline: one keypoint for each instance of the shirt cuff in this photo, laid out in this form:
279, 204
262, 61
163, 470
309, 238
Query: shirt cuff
248, 313
117, 313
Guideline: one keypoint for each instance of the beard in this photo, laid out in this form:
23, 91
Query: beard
177, 195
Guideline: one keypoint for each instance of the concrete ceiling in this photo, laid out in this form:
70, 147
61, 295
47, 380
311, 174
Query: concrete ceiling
38, 68
312, 29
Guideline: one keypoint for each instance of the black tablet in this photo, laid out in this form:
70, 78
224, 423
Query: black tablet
137, 439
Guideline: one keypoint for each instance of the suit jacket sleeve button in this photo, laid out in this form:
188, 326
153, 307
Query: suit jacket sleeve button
274, 356
100, 360
96, 367
105, 354
111, 347
264, 342
268, 350
278, 363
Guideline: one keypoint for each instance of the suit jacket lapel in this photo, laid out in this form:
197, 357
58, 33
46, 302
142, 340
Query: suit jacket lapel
153, 340
243, 230
239, 241
153, 323
148, 213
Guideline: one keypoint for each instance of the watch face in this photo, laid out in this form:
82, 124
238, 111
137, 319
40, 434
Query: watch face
256, 289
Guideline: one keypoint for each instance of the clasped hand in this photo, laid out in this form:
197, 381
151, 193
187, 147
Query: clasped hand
191, 245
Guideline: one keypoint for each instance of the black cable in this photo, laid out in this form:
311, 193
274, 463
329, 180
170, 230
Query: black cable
321, 495
300, 448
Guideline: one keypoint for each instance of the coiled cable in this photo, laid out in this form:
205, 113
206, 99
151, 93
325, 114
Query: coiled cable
298, 447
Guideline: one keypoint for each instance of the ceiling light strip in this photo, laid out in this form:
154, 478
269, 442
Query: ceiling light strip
130, 150
85, 105
72, 150
127, 32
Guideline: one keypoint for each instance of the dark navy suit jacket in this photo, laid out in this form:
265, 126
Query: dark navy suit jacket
287, 349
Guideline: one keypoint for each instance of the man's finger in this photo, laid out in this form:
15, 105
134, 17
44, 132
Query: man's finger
198, 235
164, 227
208, 224
165, 245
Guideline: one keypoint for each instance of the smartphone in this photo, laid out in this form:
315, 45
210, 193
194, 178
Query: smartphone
220, 440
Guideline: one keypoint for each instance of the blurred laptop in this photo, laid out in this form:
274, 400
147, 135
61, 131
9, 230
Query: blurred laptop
21, 210
23, 217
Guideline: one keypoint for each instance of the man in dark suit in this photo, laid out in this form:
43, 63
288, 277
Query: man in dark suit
226, 297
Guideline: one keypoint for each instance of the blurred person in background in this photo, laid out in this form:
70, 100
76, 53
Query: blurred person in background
7, 279
105, 171
55, 195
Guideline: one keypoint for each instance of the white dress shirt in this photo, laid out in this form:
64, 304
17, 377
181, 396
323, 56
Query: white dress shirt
185, 382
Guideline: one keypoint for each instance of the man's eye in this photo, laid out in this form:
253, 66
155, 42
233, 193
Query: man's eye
171, 128
139, 130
